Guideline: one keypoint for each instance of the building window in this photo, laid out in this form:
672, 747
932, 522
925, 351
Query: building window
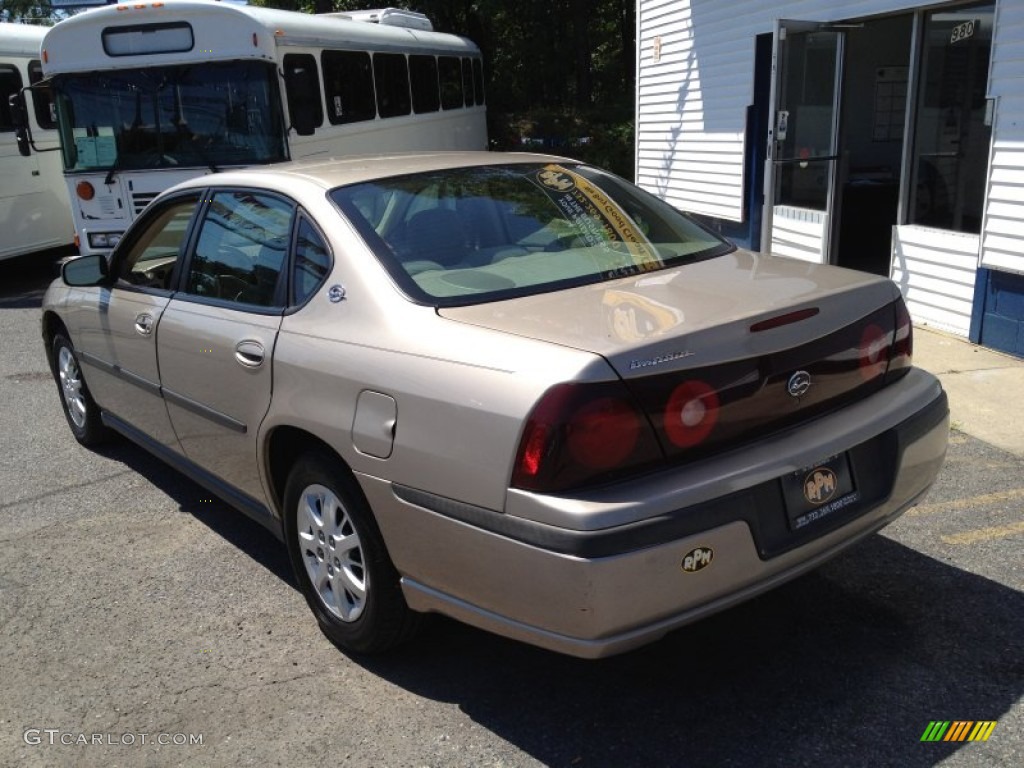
952, 130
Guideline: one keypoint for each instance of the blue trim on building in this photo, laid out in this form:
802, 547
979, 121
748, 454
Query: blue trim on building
978, 305
997, 320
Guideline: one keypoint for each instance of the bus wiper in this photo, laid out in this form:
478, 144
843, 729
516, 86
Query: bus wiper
112, 170
205, 158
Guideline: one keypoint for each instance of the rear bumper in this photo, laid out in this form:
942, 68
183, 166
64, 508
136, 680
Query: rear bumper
596, 576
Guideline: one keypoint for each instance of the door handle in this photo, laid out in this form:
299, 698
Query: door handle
144, 324
249, 353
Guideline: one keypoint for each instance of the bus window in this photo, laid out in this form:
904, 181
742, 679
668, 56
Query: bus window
42, 97
467, 80
451, 82
10, 83
173, 37
391, 74
423, 72
180, 116
254, 97
302, 83
478, 80
348, 86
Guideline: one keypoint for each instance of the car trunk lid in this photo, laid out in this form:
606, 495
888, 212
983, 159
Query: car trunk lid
723, 350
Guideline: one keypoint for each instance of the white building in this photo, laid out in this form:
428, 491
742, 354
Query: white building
880, 135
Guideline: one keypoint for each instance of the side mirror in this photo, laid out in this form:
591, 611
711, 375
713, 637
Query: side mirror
19, 119
85, 271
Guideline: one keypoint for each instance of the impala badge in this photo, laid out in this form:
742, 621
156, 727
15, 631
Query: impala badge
798, 384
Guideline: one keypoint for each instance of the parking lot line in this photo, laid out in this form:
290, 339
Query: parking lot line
973, 502
984, 534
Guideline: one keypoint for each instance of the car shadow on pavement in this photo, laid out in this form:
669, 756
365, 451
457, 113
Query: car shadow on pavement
845, 666
221, 518
24, 280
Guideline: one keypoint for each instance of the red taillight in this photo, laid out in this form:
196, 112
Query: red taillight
603, 433
85, 190
873, 352
582, 433
691, 413
903, 347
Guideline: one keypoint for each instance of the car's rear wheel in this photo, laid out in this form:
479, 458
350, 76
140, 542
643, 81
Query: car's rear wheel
80, 409
340, 560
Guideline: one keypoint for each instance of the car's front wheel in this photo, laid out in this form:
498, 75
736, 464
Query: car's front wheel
340, 560
80, 409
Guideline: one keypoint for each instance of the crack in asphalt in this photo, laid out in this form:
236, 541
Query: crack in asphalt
63, 489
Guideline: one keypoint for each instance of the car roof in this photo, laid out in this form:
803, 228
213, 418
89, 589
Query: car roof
337, 172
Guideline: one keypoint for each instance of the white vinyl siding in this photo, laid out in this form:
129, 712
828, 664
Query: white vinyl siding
799, 233
935, 269
1003, 242
691, 122
691, 109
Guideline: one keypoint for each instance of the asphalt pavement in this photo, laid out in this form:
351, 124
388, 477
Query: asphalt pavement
144, 623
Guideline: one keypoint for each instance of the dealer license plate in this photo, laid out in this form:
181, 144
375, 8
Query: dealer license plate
817, 492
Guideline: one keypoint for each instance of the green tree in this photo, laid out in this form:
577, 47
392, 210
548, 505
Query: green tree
32, 11
559, 74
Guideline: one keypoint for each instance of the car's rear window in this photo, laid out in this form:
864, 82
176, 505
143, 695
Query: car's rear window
467, 235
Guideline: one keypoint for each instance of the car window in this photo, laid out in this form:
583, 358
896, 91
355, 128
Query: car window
466, 235
241, 248
312, 262
155, 245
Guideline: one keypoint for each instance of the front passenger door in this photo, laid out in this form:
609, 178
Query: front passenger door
217, 335
116, 328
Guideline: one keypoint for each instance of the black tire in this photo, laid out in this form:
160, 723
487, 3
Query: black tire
80, 410
322, 500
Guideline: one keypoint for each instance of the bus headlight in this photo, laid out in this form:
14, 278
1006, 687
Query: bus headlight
104, 239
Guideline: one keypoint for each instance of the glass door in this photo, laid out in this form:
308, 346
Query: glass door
803, 140
953, 120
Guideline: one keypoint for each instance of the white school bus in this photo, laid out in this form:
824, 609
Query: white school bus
34, 211
151, 93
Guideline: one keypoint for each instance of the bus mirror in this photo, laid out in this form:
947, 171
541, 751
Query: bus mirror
21, 134
19, 119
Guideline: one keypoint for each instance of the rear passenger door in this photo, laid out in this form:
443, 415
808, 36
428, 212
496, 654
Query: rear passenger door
216, 338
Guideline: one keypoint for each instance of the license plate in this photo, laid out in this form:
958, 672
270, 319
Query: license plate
819, 491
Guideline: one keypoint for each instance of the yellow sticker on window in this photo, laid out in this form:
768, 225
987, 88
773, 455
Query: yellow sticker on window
596, 217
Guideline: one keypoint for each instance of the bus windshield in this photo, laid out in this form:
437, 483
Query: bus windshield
207, 114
